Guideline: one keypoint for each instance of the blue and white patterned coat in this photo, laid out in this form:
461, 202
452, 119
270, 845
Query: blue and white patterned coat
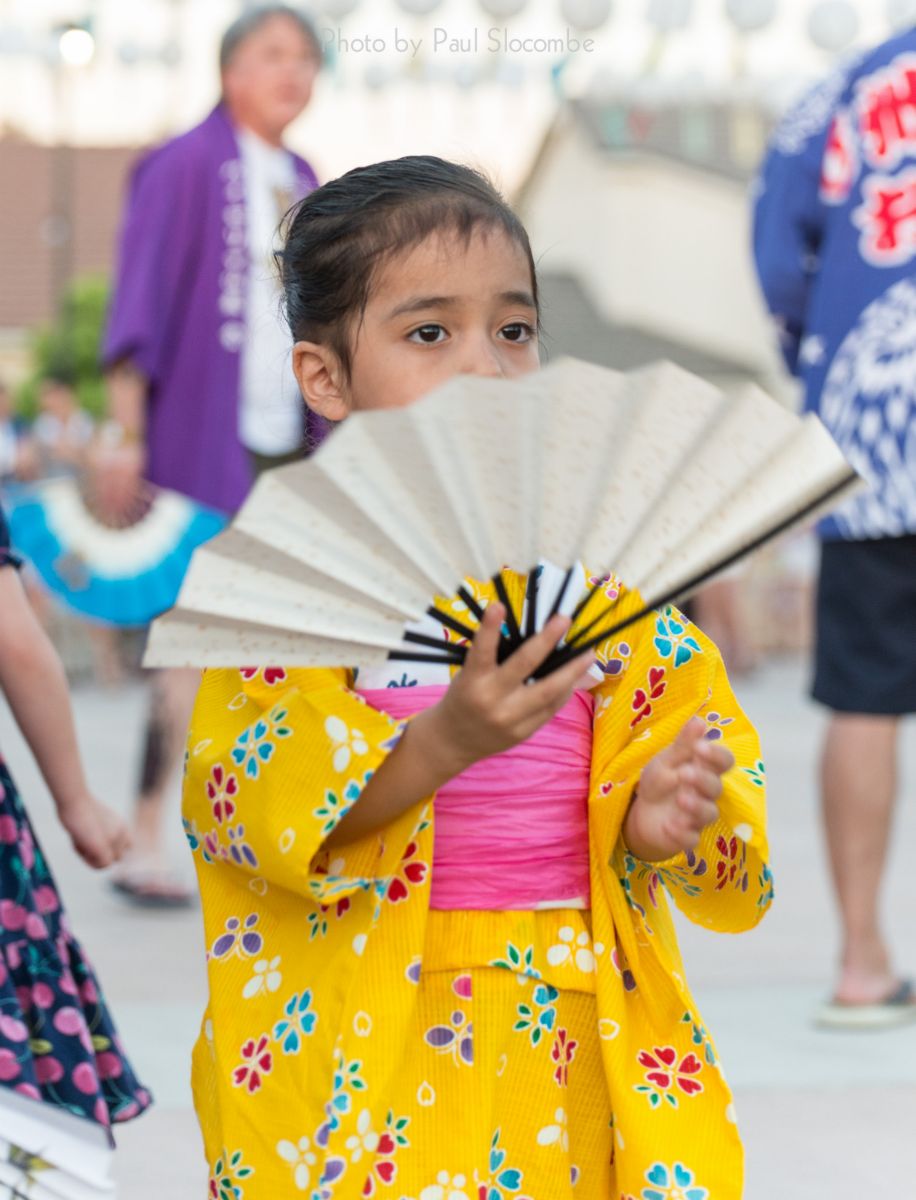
835, 247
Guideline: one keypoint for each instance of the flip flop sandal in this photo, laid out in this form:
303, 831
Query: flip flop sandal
152, 889
899, 1008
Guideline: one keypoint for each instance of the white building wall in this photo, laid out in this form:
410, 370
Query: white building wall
656, 245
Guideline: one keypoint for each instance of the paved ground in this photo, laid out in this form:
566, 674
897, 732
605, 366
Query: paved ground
825, 1116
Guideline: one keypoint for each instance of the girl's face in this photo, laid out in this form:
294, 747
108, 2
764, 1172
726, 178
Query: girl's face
441, 309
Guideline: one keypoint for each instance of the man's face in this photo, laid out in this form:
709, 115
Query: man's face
268, 81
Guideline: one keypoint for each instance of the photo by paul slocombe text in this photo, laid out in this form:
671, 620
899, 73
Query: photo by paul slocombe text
493, 40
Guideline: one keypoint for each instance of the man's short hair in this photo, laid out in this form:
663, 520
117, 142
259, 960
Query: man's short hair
252, 20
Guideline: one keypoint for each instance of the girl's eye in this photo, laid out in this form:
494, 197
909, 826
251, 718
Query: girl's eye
518, 331
427, 334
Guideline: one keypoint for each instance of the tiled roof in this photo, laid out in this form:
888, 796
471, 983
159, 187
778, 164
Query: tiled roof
724, 138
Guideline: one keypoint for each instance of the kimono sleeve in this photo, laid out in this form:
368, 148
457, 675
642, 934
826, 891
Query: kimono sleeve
788, 231
275, 759
669, 673
156, 249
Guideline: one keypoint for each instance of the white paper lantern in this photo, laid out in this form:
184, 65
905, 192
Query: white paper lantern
338, 9
833, 24
901, 13
76, 47
669, 16
419, 8
585, 15
502, 9
750, 15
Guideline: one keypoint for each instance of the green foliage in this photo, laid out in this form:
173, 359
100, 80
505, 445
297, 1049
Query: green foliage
69, 349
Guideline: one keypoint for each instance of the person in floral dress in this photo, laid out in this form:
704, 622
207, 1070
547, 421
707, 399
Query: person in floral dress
441, 961
58, 1043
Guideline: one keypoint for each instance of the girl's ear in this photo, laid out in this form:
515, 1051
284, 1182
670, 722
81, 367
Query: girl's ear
321, 380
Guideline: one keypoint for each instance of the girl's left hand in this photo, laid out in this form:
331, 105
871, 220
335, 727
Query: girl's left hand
677, 795
100, 837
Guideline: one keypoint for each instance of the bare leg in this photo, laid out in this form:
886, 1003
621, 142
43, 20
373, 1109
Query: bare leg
106, 654
719, 609
859, 780
172, 695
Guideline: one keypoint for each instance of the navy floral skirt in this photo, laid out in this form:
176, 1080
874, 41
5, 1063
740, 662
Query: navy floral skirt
57, 1039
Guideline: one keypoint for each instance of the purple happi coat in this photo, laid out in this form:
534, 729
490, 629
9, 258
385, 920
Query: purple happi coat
178, 311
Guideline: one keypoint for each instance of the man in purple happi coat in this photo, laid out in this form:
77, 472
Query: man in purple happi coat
202, 394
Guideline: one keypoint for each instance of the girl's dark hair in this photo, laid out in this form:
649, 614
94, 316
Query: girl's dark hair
338, 237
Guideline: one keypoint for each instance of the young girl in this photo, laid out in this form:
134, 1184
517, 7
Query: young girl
57, 1039
441, 962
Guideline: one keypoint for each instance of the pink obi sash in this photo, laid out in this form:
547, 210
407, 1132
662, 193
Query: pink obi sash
511, 832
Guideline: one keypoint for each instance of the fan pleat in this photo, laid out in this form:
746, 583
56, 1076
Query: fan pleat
449, 444
389, 498
803, 469
398, 438
673, 412
304, 515
494, 453
224, 587
749, 429
180, 638
583, 409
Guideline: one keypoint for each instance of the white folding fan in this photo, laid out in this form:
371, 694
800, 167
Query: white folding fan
655, 476
47, 1153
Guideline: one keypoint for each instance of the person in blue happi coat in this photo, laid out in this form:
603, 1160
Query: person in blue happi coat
835, 247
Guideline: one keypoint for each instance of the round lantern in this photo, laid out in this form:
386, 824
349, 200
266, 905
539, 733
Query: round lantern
901, 13
502, 9
669, 16
585, 15
833, 24
419, 8
338, 9
751, 15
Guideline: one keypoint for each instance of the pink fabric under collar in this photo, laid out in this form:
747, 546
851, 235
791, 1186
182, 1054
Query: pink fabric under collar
511, 832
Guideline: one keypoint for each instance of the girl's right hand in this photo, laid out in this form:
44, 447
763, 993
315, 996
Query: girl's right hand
490, 707
100, 837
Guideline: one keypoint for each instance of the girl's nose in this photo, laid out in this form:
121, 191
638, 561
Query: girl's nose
483, 358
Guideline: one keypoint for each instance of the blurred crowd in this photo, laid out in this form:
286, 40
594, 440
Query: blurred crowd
58, 442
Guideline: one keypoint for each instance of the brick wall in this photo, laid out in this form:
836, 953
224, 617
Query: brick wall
41, 189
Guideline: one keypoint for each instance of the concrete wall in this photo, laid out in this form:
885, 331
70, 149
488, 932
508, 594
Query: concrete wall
656, 245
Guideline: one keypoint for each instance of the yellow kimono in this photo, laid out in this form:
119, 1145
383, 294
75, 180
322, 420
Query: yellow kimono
357, 1043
